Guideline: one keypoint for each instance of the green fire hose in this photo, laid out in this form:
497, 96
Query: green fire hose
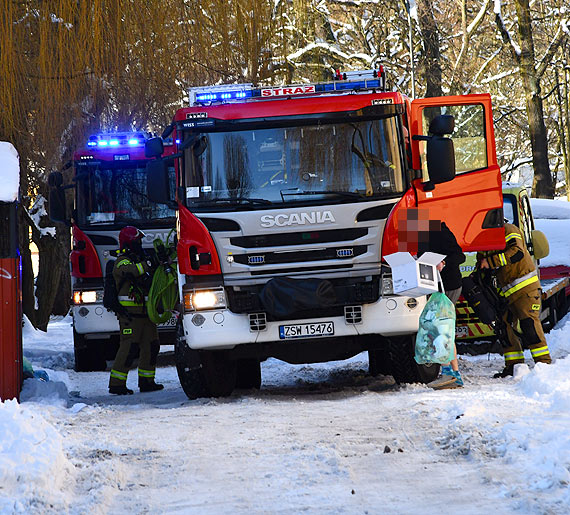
163, 294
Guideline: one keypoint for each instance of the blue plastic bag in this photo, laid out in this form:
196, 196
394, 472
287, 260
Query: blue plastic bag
435, 341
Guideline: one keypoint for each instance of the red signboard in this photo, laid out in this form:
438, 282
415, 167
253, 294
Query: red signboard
10, 329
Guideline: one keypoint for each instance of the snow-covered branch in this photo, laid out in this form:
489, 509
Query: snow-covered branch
558, 39
35, 214
505, 34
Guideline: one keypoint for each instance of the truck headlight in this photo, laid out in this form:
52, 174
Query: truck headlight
387, 286
87, 297
196, 300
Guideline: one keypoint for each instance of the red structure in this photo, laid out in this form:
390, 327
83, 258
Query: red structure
11, 369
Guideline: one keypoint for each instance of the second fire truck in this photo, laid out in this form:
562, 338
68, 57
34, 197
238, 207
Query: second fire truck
109, 186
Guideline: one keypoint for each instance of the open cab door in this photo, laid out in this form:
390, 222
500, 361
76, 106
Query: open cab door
470, 201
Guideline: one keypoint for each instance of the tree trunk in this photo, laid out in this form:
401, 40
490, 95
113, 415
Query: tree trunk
28, 297
53, 261
430, 63
543, 186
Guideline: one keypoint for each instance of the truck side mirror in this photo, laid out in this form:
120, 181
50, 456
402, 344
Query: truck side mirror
440, 151
540, 244
157, 184
153, 147
57, 208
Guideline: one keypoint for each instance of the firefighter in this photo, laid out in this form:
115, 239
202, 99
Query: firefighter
133, 276
519, 284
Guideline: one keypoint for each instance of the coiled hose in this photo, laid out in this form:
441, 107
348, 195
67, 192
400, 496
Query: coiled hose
163, 294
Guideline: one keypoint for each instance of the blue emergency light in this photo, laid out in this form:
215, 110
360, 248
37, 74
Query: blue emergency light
358, 80
225, 95
116, 140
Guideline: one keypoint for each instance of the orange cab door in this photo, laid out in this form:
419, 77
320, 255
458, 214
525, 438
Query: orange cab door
470, 204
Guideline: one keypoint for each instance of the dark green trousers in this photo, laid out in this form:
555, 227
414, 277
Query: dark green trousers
141, 332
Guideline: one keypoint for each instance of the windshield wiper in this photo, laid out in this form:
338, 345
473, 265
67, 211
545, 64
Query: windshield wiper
342, 194
234, 201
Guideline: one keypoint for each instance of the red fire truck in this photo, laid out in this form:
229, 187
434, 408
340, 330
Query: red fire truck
288, 199
110, 192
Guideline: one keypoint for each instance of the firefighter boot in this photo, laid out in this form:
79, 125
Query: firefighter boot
120, 390
506, 372
148, 385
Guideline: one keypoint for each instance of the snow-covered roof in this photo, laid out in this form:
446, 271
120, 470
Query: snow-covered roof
9, 172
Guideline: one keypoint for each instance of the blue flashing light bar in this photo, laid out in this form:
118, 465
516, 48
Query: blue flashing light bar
348, 81
225, 95
117, 139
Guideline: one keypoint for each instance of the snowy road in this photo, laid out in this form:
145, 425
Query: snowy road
323, 438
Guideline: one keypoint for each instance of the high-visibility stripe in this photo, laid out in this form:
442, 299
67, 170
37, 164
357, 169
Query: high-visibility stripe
502, 259
123, 262
118, 375
540, 351
535, 307
519, 284
125, 300
130, 303
513, 235
512, 356
146, 373
140, 268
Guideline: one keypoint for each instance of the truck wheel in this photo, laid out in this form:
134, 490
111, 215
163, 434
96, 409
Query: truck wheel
378, 362
248, 374
89, 354
203, 373
403, 366
558, 308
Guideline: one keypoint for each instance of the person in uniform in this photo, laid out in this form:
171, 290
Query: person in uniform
519, 284
133, 276
441, 240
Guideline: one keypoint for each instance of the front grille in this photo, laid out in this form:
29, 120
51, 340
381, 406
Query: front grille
346, 291
257, 322
276, 258
290, 271
353, 314
298, 238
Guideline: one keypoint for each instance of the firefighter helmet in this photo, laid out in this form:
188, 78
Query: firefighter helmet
128, 236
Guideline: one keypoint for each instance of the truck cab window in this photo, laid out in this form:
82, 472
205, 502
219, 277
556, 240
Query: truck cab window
285, 165
469, 139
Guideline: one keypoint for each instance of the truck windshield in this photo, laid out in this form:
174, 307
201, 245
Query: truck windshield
108, 194
332, 162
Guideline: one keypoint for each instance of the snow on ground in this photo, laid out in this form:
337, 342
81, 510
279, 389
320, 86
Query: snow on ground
319, 438
322, 438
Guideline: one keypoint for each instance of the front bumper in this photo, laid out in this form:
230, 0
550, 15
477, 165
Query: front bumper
94, 319
222, 329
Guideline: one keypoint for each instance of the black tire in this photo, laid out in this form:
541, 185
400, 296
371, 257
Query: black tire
558, 309
203, 373
378, 362
89, 354
248, 374
403, 366
553, 316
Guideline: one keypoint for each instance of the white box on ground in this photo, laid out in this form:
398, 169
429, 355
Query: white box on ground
414, 277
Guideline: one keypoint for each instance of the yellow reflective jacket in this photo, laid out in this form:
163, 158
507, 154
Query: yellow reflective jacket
516, 270
127, 273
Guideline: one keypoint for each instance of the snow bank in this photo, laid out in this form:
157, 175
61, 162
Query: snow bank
46, 392
552, 209
9, 171
33, 465
556, 232
552, 217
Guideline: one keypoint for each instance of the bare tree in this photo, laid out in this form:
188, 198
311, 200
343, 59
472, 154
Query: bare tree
531, 73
